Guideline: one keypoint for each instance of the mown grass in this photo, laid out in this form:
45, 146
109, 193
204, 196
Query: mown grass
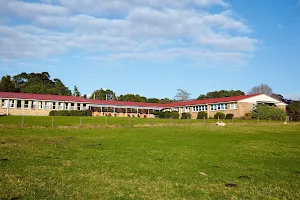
260, 161
46, 121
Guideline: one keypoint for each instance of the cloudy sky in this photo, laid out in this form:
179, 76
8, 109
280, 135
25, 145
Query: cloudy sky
155, 47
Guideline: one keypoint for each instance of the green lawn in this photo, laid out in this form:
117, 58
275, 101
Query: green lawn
58, 121
261, 161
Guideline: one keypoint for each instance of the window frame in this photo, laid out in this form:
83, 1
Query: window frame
26, 106
4, 103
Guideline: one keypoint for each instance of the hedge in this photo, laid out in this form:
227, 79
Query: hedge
167, 114
219, 115
267, 112
186, 116
201, 115
70, 113
229, 116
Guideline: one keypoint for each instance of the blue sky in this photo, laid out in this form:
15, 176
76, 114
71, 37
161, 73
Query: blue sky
153, 48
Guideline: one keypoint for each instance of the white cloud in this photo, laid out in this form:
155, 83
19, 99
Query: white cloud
130, 29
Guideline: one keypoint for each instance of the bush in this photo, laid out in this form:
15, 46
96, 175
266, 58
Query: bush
89, 112
267, 112
247, 116
175, 115
186, 116
293, 110
229, 116
167, 114
70, 113
201, 115
220, 115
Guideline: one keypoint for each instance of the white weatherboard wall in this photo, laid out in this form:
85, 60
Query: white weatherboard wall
262, 98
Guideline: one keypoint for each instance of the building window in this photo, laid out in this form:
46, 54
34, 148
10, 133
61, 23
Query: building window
11, 103
26, 104
47, 105
19, 103
33, 105
53, 105
72, 106
40, 104
78, 106
218, 107
84, 106
4, 103
187, 109
60, 106
66, 106
233, 106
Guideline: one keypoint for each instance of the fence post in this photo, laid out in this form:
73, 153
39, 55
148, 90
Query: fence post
129, 121
218, 119
52, 122
23, 120
105, 121
80, 121
232, 119
150, 121
257, 119
170, 120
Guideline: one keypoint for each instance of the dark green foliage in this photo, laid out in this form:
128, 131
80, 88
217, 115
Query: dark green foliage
267, 112
159, 114
201, 115
35, 83
102, 94
6, 85
229, 116
70, 113
293, 110
219, 115
247, 116
76, 91
167, 114
174, 114
186, 116
221, 93
132, 97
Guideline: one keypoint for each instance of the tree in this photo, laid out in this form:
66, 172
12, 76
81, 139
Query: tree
293, 110
6, 85
220, 94
76, 92
102, 94
182, 95
261, 89
153, 100
165, 100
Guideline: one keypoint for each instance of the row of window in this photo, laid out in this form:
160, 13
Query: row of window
232, 106
39, 104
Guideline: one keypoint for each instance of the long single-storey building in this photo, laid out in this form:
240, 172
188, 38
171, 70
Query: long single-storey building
41, 104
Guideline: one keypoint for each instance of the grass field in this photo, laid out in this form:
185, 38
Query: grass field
191, 161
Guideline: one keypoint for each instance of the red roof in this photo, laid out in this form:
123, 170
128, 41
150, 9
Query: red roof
208, 101
15, 95
127, 103
49, 97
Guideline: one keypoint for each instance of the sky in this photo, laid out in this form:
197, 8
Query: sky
155, 47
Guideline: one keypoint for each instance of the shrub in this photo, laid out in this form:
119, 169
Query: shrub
186, 116
220, 115
266, 112
70, 113
89, 112
201, 115
175, 115
167, 114
229, 116
293, 110
247, 116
